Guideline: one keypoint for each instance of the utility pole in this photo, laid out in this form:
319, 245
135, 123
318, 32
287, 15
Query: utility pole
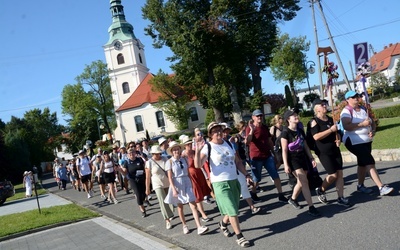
333, 45
321, 85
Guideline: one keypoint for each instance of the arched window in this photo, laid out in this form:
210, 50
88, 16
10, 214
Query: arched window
193, 114
160, 119
120, 59
140, 58
139, 123
125, 88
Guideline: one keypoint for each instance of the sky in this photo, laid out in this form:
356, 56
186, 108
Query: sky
46, 44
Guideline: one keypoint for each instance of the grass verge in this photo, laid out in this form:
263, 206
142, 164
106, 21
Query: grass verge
20, 192
21, 222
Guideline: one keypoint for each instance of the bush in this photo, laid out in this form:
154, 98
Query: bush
387, 112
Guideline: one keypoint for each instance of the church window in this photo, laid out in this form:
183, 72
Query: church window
160, 119
120, 59
125, 88
139, 123
140, 58
193, 114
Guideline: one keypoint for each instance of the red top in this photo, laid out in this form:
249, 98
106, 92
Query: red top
258, 146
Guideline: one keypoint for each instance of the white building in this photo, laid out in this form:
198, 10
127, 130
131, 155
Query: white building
129, 79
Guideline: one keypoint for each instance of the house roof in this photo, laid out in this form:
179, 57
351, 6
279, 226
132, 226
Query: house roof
381, 60
143, 94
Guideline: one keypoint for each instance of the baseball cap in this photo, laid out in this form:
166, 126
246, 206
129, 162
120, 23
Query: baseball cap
350, 94
257, 112
288, 114
319, 101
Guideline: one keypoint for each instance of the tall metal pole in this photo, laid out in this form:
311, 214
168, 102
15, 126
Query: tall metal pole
333, 45
321, 85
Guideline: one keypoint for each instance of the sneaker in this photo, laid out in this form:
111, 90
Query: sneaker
202, 230
79, 189
207, 201
185, 229
243, 242
282, 198
147, 203
343, 201
385, 190
313, 211
144, 214
205, 219
115, 201
294, 203
149, 197
363, 189
224, 230
255, 198
321, 195
168, 224
255, 210
89, 196
102, 196
259, 189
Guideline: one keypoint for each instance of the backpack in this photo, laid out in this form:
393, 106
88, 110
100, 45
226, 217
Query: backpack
278, 148
79, 160
309, 137
209, 149
340, 129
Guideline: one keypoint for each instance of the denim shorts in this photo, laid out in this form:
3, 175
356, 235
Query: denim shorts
269, 165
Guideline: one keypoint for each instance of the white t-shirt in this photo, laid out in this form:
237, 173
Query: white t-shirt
83, 165
361, 134
222, 162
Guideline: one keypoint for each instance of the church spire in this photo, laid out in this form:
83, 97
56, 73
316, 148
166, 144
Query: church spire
120, 29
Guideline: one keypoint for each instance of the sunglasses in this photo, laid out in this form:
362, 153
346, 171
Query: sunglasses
181, 165
259, 115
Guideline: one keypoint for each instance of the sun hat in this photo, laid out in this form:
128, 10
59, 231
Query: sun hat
161, 140
225, 126
25, 173
212, 125
155, 149
172, 145
257, 112
288, 114
81, 152
350, 93
185, 140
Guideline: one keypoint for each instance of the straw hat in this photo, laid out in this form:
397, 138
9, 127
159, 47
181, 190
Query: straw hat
172, 145
161, 140
186, 140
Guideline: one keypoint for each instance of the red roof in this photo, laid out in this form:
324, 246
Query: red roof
143, 94
381, 60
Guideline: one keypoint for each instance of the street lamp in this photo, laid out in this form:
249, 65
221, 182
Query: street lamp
309, 70
100, 125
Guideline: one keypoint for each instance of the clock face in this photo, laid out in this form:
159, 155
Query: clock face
118, 45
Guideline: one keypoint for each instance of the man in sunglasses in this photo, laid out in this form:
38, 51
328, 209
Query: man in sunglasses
260, 147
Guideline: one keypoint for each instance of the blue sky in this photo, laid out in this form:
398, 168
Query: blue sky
45, 44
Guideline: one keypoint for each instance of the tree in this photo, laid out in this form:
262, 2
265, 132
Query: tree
173, 99
288, 97
86, 106
210, 42
288, 62
309, 98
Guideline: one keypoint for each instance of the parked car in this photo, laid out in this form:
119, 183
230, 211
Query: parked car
6, 191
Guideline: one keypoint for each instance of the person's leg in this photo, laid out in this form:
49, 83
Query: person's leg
374, 175
165, 208
256, 168
195, 213
361, 173
329, 179
181, 214
200, 208
269, 165
340, 183
303, 182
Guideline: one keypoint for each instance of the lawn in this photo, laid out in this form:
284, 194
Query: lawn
20, 192
16, 223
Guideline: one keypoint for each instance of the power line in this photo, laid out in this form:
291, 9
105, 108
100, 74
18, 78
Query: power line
28, 107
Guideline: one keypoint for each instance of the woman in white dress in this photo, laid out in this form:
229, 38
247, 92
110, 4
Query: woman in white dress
180, 187
28, 183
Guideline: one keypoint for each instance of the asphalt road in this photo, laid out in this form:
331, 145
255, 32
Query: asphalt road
372, 223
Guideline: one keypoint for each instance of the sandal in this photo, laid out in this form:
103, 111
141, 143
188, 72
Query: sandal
224, 230
255, 210
243, 242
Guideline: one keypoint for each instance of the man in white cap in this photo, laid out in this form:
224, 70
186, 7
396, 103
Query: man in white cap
84, 168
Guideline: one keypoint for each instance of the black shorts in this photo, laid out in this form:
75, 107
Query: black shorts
362, 152
331, 162
109, 177
100, 179
86, 178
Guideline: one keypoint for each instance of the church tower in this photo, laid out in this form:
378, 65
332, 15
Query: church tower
125, 56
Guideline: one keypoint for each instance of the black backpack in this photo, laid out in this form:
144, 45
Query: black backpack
278, 147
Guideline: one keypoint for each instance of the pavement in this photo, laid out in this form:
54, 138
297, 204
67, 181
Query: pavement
372, 223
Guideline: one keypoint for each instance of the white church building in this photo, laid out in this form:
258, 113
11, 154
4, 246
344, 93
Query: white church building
131, 92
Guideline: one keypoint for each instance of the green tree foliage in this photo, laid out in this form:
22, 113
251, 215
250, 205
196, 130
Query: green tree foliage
288, 62
87, 101
217, 43
309, 98
173, 99
256, 101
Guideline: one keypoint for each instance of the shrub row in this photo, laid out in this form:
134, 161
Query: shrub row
387, 112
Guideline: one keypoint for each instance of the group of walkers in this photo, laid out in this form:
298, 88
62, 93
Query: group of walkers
194, 169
